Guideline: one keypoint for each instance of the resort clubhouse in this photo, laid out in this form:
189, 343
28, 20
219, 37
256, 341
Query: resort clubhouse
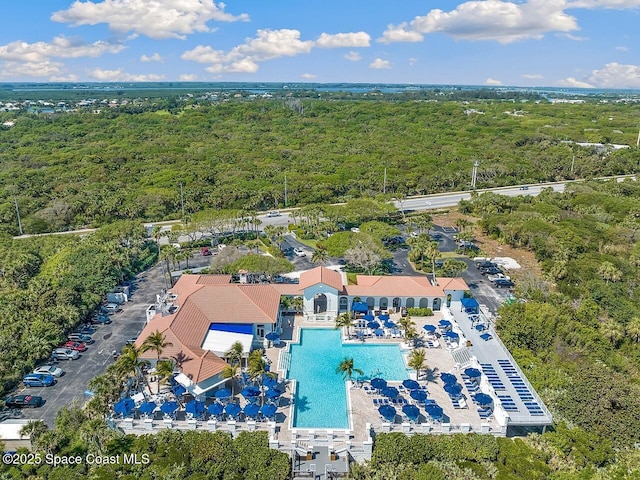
323, 365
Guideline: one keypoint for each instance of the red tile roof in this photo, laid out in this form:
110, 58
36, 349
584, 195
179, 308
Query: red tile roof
321, 275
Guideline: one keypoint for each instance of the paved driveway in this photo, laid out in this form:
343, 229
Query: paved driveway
94, 361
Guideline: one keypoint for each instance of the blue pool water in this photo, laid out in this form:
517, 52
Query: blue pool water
321, 397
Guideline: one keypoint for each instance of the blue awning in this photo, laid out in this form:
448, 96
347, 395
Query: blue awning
470, 305
244, 328
360, 307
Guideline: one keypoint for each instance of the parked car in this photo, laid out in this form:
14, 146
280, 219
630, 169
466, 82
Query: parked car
469, 247
100, 320
524, 187
355, 229
205, 251
78, 337
503, 283
65, 354
498, 276
486, 264
299, 252
490, 271
111, 308
23, 401
38, 380
49, 370
273, 213
86, 329
77, 346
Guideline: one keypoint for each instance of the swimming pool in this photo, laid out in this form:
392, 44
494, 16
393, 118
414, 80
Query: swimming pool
321, 397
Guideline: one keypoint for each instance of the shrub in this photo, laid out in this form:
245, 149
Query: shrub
420, 312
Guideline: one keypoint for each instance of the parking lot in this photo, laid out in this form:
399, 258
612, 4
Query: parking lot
126, 324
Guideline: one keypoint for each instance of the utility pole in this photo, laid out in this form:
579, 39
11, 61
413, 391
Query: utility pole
474, 174
285, 191
18, 213
384, 181
181, 201
573, 162
638, 141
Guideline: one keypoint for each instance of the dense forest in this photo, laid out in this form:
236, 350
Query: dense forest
100, 164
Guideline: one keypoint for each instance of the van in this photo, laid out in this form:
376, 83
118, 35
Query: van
65, 354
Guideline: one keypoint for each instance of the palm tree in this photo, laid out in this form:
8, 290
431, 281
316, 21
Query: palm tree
432, 252
129, 363
156, 342
417, 359
258, 368
612, 330
34, 429
320, 256
609, 272
347, 369
633, 328
345, 320
164, 371
232, 372
409, 327
234, 354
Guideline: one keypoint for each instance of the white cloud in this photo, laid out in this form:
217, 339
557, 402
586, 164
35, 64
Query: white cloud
156, 57
412, 61
399, 33
575, 38
622, 49
341, 40
572, 82
244, 58
532, 76
353, 56
38, 69
380, 64
119, 75
309, 76
609, 4
498, 20
61, 47
188, 77
616, 75
493, 82
154, 18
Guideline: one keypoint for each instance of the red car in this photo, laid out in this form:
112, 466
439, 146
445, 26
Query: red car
80, 347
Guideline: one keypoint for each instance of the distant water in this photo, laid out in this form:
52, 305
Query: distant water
267, 87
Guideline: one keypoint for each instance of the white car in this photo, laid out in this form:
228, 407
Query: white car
355, 229
414, 234
299, 252
49, 370
273, 213
502, 276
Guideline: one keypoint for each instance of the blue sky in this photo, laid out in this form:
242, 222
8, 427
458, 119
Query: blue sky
572, 43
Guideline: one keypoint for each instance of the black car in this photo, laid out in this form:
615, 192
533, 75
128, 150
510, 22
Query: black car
486, 264
490, 271
100, 320
23, 401
503, 283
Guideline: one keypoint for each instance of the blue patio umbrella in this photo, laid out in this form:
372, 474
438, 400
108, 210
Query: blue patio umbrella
250, 391
124, 406
483, 399
368, 317
268, 410
272, 393
388, 412
169, 407
147, 408
251, 409
378, 332
472, 372
271, 336
373, 325
444, 323
389, 324
215, 408
418, 395
178, 389
233, 409
222, 393
378, 383
194, 407
453, 389
411, 411
486, 336
391, 392
410, 384
434, 411
430, 328
268, 381
451, 335
383, 317
448, 378
480, 327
